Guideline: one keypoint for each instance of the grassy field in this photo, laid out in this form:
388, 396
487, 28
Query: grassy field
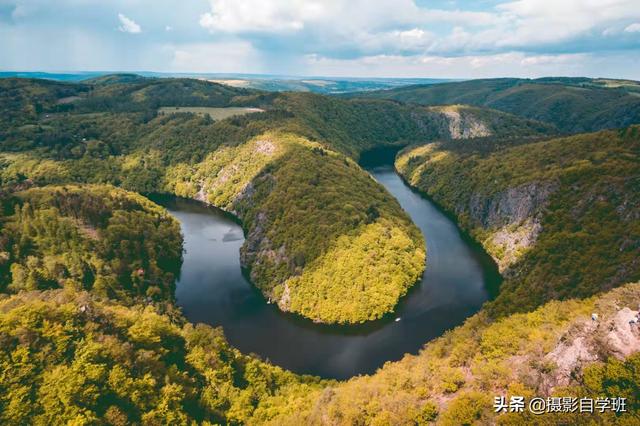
215, 113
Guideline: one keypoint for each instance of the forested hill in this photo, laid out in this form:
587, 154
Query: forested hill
573, 105
559, 216
120, 113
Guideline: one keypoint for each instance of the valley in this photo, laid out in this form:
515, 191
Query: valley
213, 290
101, 310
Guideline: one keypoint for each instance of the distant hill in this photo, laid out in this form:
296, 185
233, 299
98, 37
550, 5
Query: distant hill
573, 105
115, 79
61, 76
323, 85
275, 83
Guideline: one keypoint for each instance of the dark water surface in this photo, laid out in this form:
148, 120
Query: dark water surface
212, 289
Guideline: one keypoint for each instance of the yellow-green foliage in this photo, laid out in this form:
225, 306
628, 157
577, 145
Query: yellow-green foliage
309, 201
99, 238
359, 278
226, 172
455, 377
16, 168
69, 359
590, 239
467, 409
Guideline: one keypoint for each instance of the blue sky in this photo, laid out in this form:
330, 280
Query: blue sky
360, 38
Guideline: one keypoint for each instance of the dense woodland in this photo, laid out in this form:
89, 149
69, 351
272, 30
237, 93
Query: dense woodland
100, 239
573, 105
590, 234
89, 331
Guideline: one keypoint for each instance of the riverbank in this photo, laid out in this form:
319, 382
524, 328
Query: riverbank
212, 289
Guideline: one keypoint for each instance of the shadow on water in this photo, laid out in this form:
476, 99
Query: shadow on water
214, 289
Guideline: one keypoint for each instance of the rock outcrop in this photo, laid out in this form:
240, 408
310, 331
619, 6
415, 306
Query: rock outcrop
594, 340
512, 219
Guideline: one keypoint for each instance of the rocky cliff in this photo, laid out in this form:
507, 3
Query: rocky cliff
556, 215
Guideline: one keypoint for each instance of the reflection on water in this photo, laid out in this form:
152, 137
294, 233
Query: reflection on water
212, 289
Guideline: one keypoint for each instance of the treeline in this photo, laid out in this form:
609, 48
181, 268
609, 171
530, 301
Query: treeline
148, 94
23, 100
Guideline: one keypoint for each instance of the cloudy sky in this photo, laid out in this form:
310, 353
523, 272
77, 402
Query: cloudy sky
362, 38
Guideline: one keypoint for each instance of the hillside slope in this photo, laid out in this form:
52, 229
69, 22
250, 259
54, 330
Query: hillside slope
560, 217
95, 238
572, 105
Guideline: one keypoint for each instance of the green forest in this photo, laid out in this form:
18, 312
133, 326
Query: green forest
101, 239
589, 239
573, 105
89, 327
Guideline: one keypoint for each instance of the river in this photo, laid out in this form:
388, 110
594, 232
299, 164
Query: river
212, 289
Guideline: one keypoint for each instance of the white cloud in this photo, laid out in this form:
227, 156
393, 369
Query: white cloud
339, 16
532, 22
381, 37
371, 27
259, 16
128, 25
414, 38
633, 28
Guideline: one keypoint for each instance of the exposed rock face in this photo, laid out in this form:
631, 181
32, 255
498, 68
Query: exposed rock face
224, 174
513, 219
265, 146
254, 242
590, 341
258, 250
512, 206
458, 122
509, 242
570, 355
285, 299
465, 126
201, 195
622, 335
245, 194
